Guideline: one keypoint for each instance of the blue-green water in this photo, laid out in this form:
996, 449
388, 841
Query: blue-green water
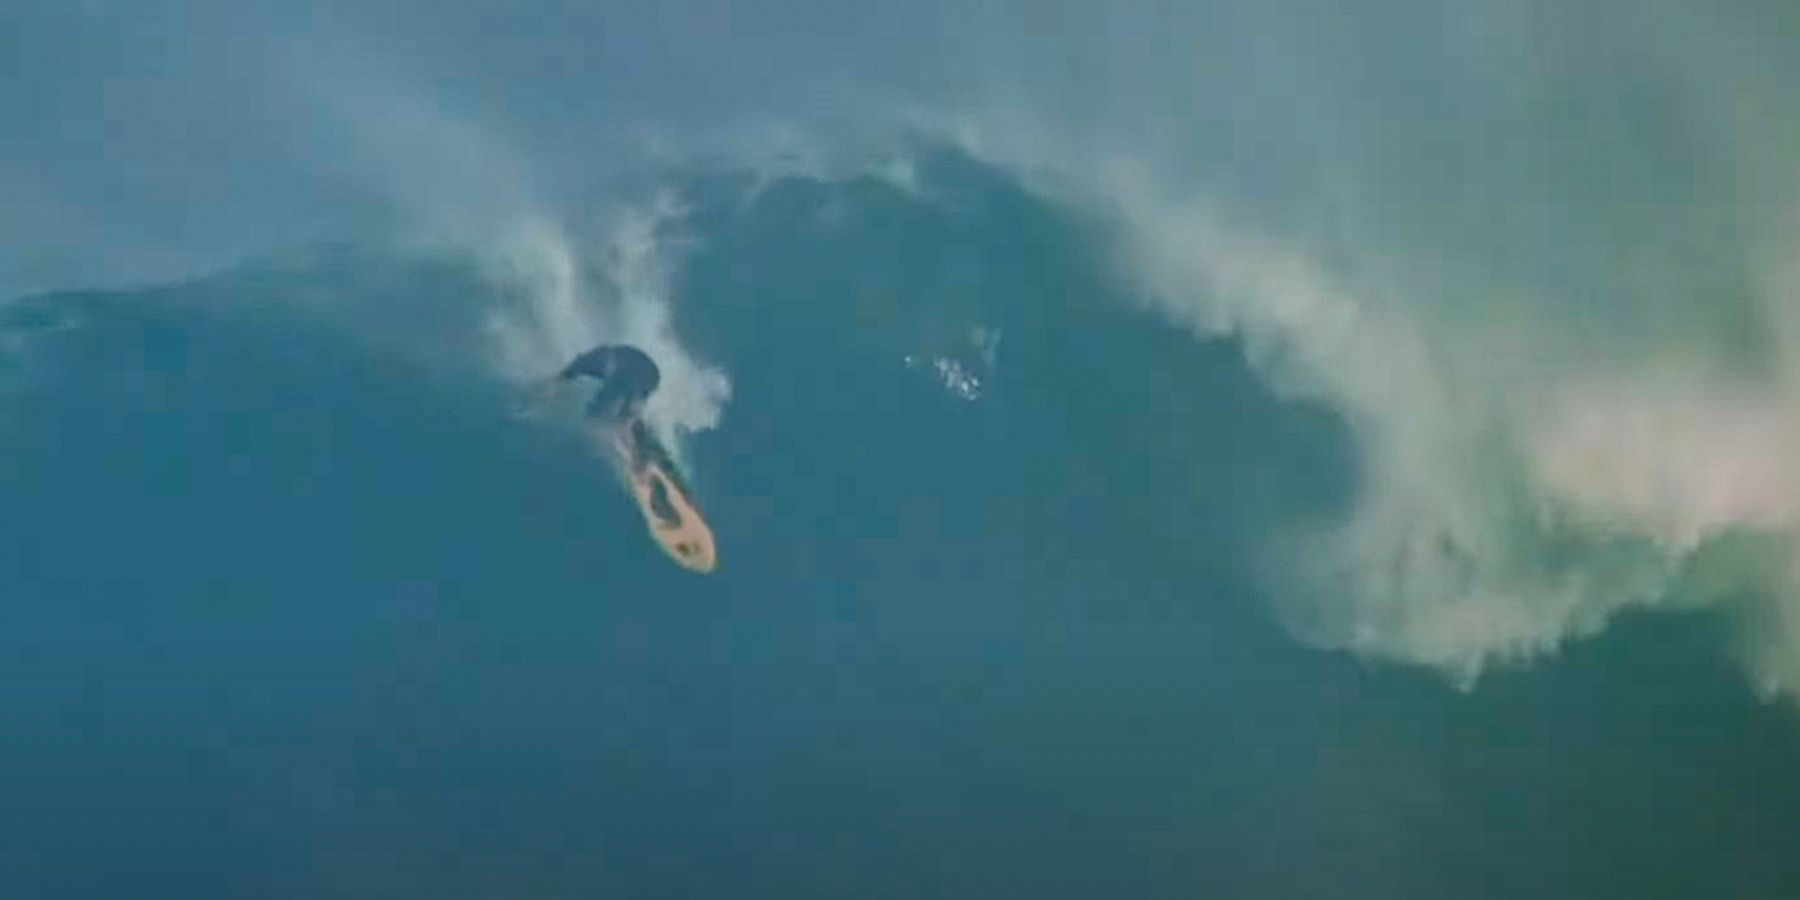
294, 607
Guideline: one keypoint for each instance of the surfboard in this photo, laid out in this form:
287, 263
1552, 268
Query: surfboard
670, 513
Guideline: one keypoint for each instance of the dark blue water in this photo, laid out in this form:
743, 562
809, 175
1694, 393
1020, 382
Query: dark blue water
291, 607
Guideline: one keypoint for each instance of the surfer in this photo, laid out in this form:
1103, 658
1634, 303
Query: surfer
627, 377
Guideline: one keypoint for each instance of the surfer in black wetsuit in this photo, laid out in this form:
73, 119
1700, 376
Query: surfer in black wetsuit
626, 374
625, 377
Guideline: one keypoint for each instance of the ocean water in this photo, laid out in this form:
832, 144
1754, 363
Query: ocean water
294, 606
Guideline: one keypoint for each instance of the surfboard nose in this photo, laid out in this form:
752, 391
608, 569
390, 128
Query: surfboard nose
677, 524
670, 515
696, 556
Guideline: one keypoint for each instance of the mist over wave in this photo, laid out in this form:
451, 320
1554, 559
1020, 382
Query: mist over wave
570, 268
559, 302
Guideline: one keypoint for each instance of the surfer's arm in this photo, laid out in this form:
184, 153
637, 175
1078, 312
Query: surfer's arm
595, 363
533, 400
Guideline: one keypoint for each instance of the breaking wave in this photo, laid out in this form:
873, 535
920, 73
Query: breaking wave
1557, 335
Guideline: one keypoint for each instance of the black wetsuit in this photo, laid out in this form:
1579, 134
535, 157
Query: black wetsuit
626, 374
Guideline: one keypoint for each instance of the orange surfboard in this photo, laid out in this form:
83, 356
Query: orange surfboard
670, 514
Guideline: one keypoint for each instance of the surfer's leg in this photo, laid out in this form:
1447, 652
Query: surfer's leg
609, 404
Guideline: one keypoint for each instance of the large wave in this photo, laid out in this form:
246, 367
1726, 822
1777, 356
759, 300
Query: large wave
1536, 254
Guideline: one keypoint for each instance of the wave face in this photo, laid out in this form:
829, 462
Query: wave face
282, 520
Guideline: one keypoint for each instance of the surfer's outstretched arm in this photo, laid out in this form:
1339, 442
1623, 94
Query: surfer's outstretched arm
597, 363
536, 397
